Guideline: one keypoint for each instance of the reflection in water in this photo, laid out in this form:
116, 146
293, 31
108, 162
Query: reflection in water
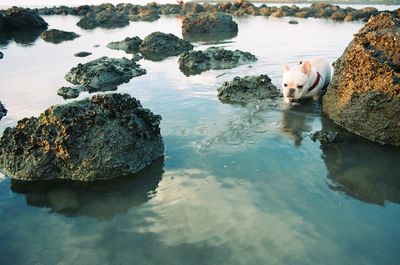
26, 38
296, 120
209, 38
363, 170
102, 199
246, 128
193, 207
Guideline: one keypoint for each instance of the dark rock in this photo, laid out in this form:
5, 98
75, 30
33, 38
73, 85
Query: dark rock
145, 14
247, 89
17, 18
70, 92
1, 55
324, 136
159, 45
293, 22
195, 62
103, 73
82, 54
208, 23
57, 36
3, 111
107, 18
104, 137
129, 45
364, 94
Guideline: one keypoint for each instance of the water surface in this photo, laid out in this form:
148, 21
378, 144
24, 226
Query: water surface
238, 185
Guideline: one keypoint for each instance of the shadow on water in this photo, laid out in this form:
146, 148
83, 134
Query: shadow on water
363, 170
296, 120
25, 38
102, 199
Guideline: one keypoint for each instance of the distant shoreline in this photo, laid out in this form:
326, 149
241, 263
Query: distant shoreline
393, 2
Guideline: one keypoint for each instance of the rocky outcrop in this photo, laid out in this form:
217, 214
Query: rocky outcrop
104, 137
128, 45
58, 36
364, 94
107, 18
204, 22
152, 11
104, 73
325, 137
247, 89
159, 45
3, 111
82, 54
18, 18
195, 62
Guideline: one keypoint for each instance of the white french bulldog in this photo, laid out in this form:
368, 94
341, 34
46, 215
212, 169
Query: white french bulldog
307, 80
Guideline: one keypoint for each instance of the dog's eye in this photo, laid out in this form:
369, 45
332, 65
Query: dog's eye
300, 87
285, 85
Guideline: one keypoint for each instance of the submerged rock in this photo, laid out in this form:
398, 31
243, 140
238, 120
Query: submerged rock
247, 89
57, 36
324, 136
82, 54
106, 18
195, 62
18, 18
205, 22
3, 111
128, 45
70, 92
159, 45
104, 137
364, 94
104, 72
293, 22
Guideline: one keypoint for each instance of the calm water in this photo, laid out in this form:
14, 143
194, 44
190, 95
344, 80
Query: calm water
238, 185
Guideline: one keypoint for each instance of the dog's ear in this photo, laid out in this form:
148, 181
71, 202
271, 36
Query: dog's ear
306, 68
285, 67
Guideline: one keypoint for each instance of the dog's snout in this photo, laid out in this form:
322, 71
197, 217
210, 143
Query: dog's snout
291, 90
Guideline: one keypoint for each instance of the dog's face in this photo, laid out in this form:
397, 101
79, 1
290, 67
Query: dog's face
295, 81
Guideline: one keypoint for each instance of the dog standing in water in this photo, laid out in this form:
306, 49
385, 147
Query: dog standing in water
309, 79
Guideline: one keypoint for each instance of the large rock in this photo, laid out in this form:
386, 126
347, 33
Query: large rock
3, 111
364, 94
106, 18
195, 62
17, 18
129, 45
159, 45
204, 22
248, 89
58, 36
104, 73
104, 137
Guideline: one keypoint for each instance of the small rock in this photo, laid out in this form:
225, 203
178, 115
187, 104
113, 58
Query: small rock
325, 137
3, 111
70, 92
293, 22
247, 89
128, 45
159, 45
208, 23
104, 72
195, 62
57, 36
82, 54
1, 55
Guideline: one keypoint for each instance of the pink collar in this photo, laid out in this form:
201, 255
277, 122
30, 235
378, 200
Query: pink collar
316, 82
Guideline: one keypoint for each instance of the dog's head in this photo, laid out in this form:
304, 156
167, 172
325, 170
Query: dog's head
295, 81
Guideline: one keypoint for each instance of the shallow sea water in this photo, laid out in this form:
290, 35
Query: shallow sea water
238, 185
